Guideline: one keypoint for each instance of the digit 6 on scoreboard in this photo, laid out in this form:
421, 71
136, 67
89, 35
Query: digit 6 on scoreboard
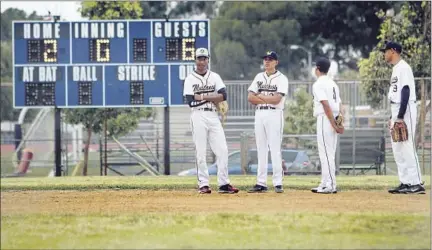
188, 49
100, 50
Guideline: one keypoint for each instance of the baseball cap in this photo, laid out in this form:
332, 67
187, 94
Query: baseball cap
392, 45
202, 52
271, 54
323, 64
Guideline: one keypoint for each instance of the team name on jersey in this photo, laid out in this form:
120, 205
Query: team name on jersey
203, 89
266, 87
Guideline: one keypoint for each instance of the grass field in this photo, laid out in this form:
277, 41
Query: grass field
167, 213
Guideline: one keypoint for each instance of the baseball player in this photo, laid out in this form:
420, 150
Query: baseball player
268, 92
327, 105
402, 96
203, 89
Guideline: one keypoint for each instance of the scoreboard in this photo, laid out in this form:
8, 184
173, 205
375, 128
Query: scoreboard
104, 63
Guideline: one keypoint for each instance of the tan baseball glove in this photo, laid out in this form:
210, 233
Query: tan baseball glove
222, 108
399, 132
339, 119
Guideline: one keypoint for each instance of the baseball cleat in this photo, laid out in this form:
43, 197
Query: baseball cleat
397, 189
205, 190
278, 189
228, 189
413, 189
258, 189
324, 190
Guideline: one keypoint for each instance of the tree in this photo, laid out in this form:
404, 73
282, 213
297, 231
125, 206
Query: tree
8, 113
299, 119
96, 10
298, 114
349, 26
258, 27
410, 27
120, 121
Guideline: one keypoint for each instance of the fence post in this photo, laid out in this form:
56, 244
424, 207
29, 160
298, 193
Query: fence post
244, 152
338, 154
354, 126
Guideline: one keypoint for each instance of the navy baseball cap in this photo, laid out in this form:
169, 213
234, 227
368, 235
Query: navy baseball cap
323, 64
270, 54
392, 45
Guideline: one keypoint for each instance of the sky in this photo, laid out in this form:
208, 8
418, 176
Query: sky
68, 10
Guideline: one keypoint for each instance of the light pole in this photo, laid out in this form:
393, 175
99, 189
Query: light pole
309, 52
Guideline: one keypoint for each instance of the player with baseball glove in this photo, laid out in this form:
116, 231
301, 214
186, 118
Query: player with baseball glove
222, 108
403, 121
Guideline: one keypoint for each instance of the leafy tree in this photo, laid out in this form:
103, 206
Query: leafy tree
96, 10
8, 113
10, 15
299, 119
410, 27
298, 114
258, 27
120, 121
347, 25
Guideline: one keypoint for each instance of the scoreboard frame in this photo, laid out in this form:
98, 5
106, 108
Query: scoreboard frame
163, 69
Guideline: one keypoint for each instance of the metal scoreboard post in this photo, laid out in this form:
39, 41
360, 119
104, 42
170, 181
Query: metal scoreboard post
104, 63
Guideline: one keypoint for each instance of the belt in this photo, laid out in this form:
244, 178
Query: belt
392, 102
206, 109
265, 108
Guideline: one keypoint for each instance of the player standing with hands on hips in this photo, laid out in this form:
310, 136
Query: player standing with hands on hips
203, 90
327, 106
268, 92
403, 121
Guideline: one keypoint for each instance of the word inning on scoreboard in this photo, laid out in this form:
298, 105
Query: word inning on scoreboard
104, 63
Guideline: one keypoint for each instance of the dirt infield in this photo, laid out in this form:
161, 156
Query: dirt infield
139, 201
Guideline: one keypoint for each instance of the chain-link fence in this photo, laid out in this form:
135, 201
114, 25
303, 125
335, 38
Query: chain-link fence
365, 130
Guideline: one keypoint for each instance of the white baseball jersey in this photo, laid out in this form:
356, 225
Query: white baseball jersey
325, 89
404, 153
267, 85
206, 127
269, 125
194, 83
402, 75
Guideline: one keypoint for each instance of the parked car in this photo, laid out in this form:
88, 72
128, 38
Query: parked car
293, 162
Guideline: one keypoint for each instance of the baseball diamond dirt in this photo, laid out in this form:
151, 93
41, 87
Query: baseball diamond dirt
168, 213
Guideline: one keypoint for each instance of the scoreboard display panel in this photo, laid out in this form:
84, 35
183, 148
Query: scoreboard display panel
104, 63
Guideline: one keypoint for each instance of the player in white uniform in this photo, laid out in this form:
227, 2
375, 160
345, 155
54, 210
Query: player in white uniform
402, 96
202, 89
268, 92
327, 105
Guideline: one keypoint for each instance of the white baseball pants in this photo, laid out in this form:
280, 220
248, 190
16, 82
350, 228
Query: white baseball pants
269, 125
327, 143
206, 126
405, 154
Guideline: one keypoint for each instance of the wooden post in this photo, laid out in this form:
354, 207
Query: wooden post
422, 121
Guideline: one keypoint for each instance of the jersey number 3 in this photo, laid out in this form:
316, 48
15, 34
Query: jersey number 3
334, 94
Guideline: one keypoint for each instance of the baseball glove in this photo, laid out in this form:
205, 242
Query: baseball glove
339, 119
399, 132
222, 108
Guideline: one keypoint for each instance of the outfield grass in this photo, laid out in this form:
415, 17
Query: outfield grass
189, 182
83, 213
222, 230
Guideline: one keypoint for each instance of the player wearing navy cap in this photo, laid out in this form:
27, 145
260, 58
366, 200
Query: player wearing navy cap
268, 92
402, 96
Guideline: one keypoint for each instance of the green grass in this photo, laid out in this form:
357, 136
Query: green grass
209, 230
179, 183
222, 230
